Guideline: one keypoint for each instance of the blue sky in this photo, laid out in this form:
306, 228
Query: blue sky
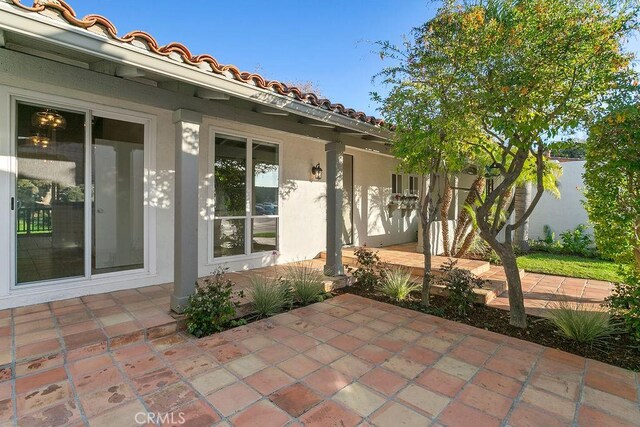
328, 42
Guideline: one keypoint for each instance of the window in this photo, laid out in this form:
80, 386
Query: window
245, 170
396, 183
413, 185
79, 192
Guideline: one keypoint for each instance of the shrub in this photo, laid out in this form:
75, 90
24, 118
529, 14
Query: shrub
269, 295
397, 283
624, 301
369, 269
581, 323
549, 235
577, 242
211, 308
459, 284
306, 282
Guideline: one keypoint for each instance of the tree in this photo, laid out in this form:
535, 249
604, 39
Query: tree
612, 180
507, 77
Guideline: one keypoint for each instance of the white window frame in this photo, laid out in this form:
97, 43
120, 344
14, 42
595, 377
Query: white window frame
397, 178
10, 97
248, 217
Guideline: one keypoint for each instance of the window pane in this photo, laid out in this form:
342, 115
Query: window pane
49, 193
230, 176
265, 234
265, 179
228, 237
118, 191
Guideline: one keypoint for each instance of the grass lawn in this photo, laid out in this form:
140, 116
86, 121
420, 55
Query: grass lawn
569, 265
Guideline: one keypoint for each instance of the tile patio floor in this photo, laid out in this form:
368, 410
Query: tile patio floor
347, 361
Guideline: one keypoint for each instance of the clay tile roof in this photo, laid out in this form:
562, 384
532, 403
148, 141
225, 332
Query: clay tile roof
171, 49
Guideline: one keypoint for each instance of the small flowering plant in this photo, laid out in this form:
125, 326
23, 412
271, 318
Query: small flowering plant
211, 308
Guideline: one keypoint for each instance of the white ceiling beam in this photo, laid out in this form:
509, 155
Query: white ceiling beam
211, 94
316, 124
270, 111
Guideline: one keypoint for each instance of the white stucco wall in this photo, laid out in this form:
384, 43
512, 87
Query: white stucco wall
302, 200
565, 213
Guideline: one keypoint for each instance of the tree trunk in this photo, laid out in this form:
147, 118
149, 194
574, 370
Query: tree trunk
517, 315
444, 215
426, 239
522, 202
464, 219
466, 244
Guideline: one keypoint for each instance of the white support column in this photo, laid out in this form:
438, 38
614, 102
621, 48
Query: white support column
187, 125
334, 266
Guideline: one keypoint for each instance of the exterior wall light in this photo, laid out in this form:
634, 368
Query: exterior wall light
316, 171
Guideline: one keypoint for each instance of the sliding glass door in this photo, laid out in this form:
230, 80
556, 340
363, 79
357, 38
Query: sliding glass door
78, 195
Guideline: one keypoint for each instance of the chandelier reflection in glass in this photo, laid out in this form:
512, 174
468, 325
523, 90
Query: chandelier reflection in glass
46, 123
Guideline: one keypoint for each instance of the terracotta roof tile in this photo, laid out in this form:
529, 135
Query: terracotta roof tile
180, 51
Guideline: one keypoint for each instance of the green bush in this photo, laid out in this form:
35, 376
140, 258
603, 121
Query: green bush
581, 323
306, 282
572, 242
370, 270
397, 283
211, 308
269, 296
459, 284
624, 301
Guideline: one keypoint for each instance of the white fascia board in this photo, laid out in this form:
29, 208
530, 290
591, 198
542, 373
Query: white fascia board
51, 30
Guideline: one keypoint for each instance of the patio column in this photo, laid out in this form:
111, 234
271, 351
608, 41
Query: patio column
185, 273
335, 152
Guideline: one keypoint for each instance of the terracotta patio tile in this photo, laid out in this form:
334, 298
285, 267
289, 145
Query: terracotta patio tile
31, 382
469, 355
169, 341
458, 415
169, 398
395, 414
280, 332
45, 396
567, 386
327, 381
60, 414
299, 366
525, 415
246, 365
37, 349
324, 353
364, 333
611, 404
441, 382
485, 400
342, 325
373, 354
214, 380
195, 414
625, 388
28, 309
75, 317
87, 351
6, 411
5, 374
501, 384
119, 416
233, 398
101, 378
403, 366
180, 352
141, 364
390, 344
276, 353
420, 355
154, 380
300, 342
423, 400
559, 407
36, 325
79, 327
383, 381
269, 380
228, 352
590, 417
89, 365
257, 342
105, 399
41, 316
351, 366
330, 413
83, 339
130, 352
195, 365
359, 399
295, 399
263, 413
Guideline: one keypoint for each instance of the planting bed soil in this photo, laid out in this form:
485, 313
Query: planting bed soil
621, 350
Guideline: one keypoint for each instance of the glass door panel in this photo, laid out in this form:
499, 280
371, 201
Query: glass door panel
49, 193
118, 195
